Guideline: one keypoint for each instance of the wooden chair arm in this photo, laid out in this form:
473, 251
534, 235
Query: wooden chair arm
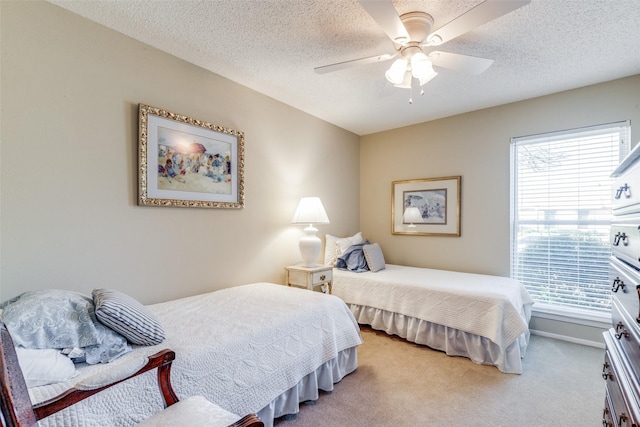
161, 360
250, 420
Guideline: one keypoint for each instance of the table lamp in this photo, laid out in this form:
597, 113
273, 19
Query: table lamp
310, 211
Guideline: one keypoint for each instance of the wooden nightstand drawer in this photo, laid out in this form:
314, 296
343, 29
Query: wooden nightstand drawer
320, 277
310, 277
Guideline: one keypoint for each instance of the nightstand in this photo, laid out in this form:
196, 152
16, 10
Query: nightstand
310, 277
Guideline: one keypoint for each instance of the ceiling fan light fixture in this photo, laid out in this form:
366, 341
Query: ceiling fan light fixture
395, 73
406, 81
420, 65
426, 79
422, 68
411, 31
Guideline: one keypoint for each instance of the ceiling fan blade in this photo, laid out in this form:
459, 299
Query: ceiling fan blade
383, 12
481, 14
463, 63
346, 64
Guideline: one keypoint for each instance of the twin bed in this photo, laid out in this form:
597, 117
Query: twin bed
484, 318
259, 348
481, 317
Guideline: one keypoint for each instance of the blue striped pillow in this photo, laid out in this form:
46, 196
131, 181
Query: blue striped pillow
128, 317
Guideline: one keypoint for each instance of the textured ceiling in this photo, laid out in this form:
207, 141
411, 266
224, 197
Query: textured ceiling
272, 46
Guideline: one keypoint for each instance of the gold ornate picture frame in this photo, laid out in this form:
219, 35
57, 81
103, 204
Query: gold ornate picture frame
185, 162
426, 207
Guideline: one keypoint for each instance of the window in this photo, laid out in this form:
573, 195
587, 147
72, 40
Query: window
561, 215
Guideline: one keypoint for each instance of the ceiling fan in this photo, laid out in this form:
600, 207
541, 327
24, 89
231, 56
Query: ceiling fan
412, 37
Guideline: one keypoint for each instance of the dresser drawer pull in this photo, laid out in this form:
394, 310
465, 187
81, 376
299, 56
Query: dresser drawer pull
623, 189
605, 417
620, 236
638, 291
624, 333
622, 419
323, 277
606, 374
617, 284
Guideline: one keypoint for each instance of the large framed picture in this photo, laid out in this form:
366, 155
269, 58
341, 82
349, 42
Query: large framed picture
186, 162
426, 207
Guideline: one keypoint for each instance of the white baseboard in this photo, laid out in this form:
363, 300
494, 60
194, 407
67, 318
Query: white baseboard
569, 339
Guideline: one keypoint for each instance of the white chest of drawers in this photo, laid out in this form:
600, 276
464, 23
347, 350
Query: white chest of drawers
621, 368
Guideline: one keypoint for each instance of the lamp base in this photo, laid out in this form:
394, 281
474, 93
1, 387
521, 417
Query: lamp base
310, 246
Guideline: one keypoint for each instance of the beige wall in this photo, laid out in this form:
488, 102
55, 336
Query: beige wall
68, 163
68, 168
476, 147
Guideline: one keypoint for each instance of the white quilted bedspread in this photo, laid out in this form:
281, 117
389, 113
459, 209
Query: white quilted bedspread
239, 347
489, 306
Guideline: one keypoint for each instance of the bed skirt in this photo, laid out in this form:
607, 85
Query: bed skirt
452, 341
323, 378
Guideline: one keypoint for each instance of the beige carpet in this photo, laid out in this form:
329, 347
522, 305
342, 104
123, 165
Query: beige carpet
398, 383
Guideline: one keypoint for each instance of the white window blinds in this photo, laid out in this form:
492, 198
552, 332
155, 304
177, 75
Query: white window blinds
561, 214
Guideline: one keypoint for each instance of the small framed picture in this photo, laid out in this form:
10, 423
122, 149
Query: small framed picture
186, 162
426, 207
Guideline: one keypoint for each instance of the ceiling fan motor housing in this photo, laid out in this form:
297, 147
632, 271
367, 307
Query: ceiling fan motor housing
418, 25
410, 49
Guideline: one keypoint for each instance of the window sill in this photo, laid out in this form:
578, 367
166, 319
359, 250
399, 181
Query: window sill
572, 315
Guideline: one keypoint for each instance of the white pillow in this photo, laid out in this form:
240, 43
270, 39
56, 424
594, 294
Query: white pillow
329, 249
42, 367
335, 246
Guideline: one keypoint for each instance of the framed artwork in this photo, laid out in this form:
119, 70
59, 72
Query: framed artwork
186, 162
426, 207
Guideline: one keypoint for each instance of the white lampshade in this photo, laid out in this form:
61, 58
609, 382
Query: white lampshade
395, 73
427, 78
310, 211
412, 215
406, 83
422, 68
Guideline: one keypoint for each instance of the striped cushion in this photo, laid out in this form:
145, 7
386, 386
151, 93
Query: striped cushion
127, 316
